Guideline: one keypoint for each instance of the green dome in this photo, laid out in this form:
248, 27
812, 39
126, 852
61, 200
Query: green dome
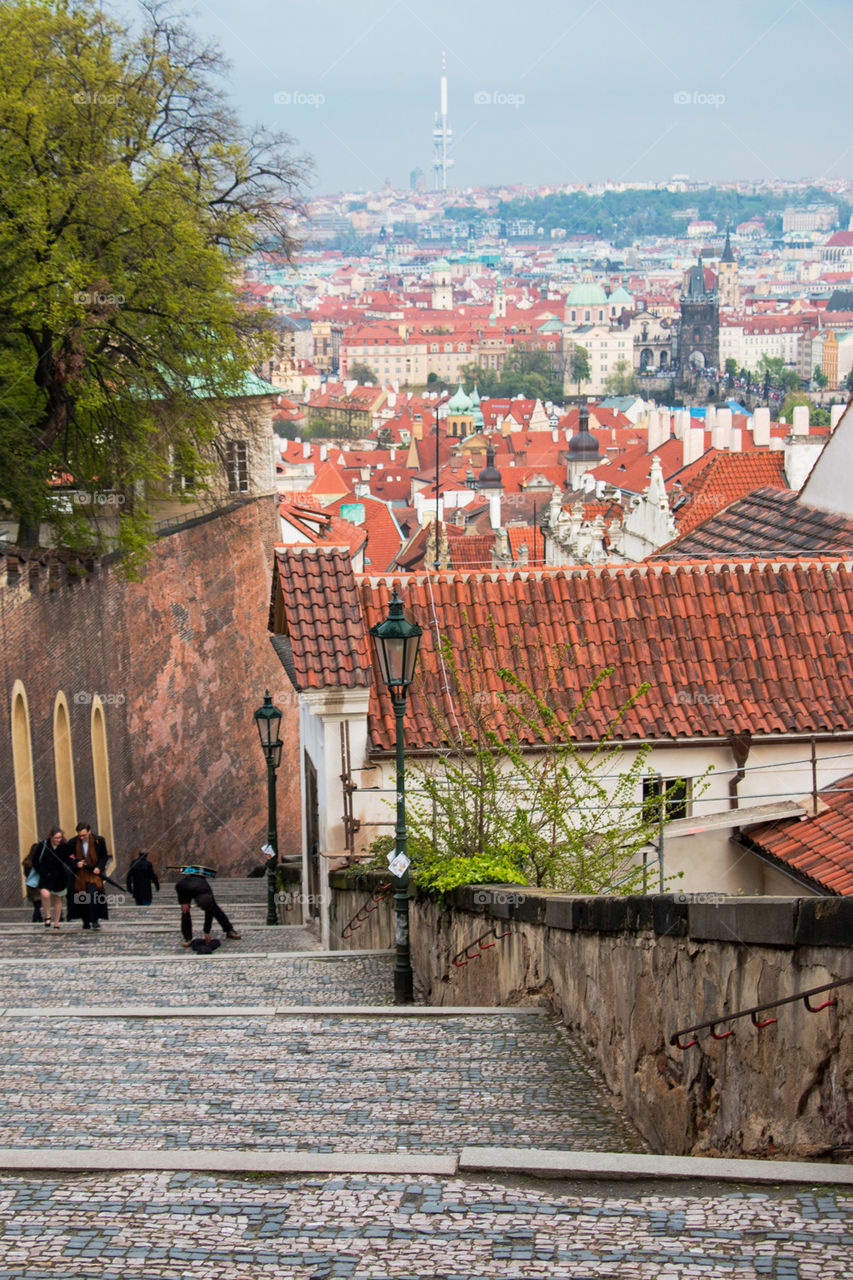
587, 294
459, 402
621, 294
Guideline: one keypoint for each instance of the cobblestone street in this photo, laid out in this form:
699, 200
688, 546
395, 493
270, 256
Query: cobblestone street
122, 1041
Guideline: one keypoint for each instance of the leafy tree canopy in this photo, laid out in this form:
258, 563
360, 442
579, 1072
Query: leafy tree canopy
128, 193
362, 373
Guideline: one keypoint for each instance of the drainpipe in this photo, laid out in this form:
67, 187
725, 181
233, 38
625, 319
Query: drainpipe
739, 745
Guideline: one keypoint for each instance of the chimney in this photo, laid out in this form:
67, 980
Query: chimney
392, 453
495, 510
692, 446
653, 430
324, 452
555, 435
681, 423
721, 429
761, 426
710, 418
736, 445
801, 420
306, 448
836, 413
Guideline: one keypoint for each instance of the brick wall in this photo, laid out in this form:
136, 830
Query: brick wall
180, 660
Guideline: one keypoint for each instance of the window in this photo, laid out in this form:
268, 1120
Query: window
237, 466
676, 797
182, 481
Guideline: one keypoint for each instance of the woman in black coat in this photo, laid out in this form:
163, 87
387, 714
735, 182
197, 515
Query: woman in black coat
140, 878
52, 861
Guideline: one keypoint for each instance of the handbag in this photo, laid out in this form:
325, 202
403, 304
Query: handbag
33, 879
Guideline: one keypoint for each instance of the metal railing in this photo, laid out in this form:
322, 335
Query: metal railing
712, 1023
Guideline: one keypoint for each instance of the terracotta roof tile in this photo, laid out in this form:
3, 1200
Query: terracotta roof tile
315, 603
761, 648
816, 849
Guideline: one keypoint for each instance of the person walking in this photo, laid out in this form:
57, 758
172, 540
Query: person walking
90, 857
194, 887
32, 890
56, 873
140, 878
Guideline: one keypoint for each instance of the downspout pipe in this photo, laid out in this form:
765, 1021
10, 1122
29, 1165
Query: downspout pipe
739, 745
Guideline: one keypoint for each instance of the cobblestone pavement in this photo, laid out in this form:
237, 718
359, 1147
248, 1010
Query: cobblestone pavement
312, 1083
229, 977
150, 1226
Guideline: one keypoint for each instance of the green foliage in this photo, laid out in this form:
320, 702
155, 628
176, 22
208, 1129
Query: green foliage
526, 371
513, 799
624, 216
579, 366
622, 381
128, 191
779, 374
817, 417
362, 373
819, 379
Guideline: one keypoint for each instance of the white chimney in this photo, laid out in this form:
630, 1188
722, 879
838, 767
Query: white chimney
836, 413
710, 417
681, 423
761, 426
653, 437
555, 435
692, 446
392, 453
721, 429
736, 445
801, 420
306, 448
495, 510
324, 452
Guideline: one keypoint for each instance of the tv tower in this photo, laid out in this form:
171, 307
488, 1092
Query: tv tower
442, 136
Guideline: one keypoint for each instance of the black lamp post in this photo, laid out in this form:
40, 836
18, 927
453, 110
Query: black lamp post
268, 718
397, 644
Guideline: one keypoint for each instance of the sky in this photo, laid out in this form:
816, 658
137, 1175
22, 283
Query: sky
553, 92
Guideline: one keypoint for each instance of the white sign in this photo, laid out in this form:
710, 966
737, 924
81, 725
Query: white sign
399, 864
268, 850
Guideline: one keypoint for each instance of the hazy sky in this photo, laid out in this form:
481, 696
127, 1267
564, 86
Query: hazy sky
550, 92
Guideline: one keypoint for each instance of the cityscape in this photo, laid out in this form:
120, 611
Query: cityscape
426, 531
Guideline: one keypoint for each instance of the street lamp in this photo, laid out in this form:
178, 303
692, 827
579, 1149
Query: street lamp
397, 644
268, 718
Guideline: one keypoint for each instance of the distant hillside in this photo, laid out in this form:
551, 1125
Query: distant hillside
625, 216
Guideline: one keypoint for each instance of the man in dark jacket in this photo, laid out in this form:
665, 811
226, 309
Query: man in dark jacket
140, 878
89, 855
194, 887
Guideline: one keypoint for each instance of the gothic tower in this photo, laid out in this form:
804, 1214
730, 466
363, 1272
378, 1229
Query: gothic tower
699, 332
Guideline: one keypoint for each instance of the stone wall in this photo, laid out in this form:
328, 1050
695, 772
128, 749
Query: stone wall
180, 661
626, 973
357, 921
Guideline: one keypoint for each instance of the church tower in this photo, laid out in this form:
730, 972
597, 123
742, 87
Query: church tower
728, 283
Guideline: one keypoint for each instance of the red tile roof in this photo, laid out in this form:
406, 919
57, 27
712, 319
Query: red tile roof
719, 478
768, 522
335, 653
384, 539
773, 644
817, 849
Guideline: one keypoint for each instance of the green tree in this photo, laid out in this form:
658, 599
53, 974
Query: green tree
492, 810
817, 417
730, 368
819, 378
128, 193
779, 373
362, 373
622, 381
579, 366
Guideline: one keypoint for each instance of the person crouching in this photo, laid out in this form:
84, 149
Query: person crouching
194, 887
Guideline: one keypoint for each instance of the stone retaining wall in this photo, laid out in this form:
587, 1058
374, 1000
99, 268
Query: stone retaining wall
625, 973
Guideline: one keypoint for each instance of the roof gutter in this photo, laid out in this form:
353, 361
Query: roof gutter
592, 744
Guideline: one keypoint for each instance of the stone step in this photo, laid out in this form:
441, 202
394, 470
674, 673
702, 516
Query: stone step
312, 1082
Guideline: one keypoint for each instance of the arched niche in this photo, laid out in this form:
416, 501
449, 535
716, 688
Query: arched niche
63, 760
22, 768
101, 766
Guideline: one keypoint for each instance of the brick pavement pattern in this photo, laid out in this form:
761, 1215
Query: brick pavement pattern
181, 1226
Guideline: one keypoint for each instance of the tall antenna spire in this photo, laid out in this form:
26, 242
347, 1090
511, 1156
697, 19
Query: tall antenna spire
442, 135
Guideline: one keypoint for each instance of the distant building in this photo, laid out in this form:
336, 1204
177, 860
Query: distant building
699, 332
